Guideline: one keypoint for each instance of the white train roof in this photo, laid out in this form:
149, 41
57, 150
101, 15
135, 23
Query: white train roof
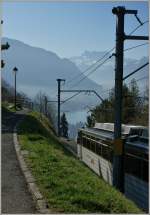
110, 127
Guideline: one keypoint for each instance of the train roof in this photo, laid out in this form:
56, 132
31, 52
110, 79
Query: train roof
97, 133
138, 143
110, 127
106, 130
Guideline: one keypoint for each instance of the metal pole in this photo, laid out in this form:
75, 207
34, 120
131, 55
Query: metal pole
45, 106
15, 92
15, 72
58, 123
59, 91
118, 145
58, 106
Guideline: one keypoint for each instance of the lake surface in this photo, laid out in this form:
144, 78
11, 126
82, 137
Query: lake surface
76, 120
76, 117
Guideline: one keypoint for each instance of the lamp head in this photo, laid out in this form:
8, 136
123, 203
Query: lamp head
15, 69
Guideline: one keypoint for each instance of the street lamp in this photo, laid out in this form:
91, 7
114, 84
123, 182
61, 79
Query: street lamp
15, 72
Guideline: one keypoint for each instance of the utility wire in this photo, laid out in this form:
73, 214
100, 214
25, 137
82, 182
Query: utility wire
141, 24
137, 80
145, 77
102, 64
133, 47
94, 64
91, 71
70, 98
138, 27
109, 53
141, 67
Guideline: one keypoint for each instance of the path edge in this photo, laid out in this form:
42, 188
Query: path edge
38, 198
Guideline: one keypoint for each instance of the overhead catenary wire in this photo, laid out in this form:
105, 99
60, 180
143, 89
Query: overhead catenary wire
70, 98
112, 50
137, 80
94, 64
99, 60
133, 47
77, 83
111, 88
141, 67
138, 27
106, 60
140, 79
127, 49
91, 72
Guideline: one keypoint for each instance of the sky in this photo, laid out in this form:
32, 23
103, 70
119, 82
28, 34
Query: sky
70, 28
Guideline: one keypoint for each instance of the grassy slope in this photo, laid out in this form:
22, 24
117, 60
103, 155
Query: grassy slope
67, 184
9, 107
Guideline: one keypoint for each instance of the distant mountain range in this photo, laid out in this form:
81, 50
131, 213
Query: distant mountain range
105, 75
38, 70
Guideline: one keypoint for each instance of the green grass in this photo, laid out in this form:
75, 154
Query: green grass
67, 184
10, 107
5, 107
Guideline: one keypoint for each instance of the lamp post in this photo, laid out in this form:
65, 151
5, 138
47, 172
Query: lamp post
15, 72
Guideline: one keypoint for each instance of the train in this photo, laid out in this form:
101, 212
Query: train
95, 149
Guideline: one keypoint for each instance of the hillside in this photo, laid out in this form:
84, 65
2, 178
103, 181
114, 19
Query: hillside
38, 70
67, 184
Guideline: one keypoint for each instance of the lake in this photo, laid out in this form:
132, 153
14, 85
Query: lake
76, 117
76, 120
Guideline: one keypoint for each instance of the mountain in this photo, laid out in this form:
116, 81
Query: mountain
105, 75
38, 69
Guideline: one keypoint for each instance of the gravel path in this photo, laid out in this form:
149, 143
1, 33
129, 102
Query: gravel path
15, 195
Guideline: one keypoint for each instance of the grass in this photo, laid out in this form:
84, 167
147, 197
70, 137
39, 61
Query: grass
5, 106
66, 183
10, 107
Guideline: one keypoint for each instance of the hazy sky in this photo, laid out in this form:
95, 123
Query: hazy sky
70, 28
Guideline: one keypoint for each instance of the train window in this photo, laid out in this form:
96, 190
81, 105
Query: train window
93, 146
84, 142
88, 143
79, 140
105, 152
145, 133
133, 165
135, 131
111, 155
98, 149
145, 170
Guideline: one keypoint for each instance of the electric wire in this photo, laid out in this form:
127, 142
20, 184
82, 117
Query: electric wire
91, 72
138, 69
77, 83
138, 27
112, 50
133, 47
137, 80
70, 98
82, 73
94, 64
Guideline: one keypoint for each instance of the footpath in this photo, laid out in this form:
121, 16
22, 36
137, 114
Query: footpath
14, 191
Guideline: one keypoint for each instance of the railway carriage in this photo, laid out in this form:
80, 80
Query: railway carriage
95, 149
